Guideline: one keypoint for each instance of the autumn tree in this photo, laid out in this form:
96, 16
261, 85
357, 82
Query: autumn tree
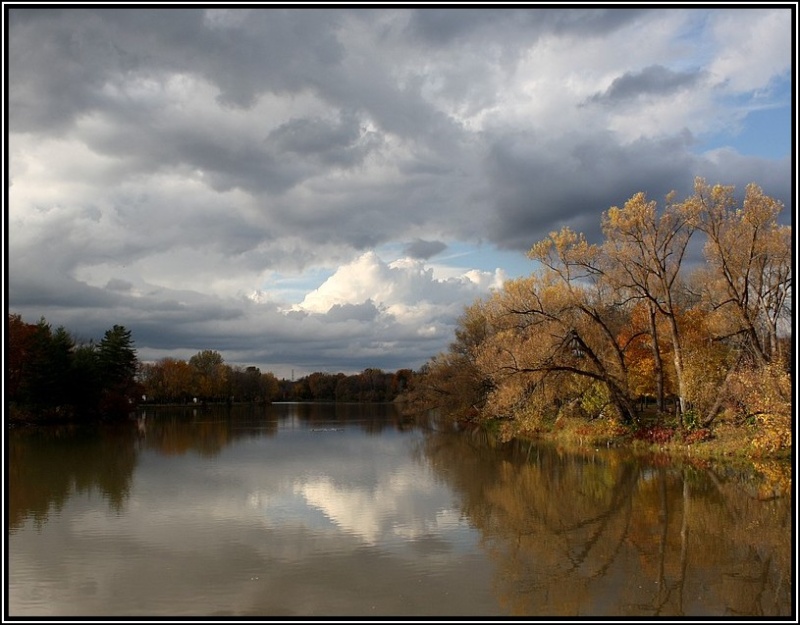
579, 312
19, 349
601, 325
322, 386
211, 375
749, 275
747, 289
250, 385
178, 379
447, 387
452, 384
644, 251
401, 380
168, 380
648, 357
270, 386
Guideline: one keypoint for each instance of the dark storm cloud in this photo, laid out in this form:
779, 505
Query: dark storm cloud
32, 291
62, 59
336, 143
445, 26
424, 249
539, 189
655, 80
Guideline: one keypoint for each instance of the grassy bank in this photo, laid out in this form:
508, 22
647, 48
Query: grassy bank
725, 440
730, 449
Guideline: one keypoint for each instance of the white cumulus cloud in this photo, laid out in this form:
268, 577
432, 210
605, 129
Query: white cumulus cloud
407, 289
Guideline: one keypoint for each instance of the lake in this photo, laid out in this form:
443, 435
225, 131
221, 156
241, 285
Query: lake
325, 510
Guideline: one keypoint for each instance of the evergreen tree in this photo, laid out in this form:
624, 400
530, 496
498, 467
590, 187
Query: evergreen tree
116, 358
85, 378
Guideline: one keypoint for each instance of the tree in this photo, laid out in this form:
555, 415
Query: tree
118, 364
18, 353
749, 277
402, 379
117, 356
39, 363
211, 374
452, 384
580, 313
645, 252
646, 355
250, 385
86, 378
322, 386
168, 380
270, 386
589, 330
747, 284
446, 386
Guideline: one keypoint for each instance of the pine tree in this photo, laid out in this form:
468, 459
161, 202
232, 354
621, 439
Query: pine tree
117, 360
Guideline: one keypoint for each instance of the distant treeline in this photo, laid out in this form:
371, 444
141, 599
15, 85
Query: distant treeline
52, 375
371, 385
205, 377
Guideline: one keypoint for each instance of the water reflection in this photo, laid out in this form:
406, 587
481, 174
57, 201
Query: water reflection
46, 466
345, 510
313, 514
604, 533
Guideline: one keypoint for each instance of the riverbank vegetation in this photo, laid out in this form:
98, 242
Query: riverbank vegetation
52, 376
627, 340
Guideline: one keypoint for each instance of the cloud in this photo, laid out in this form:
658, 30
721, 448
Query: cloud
225, 178
444, 26
406, 289
424, 249
654, 80
367, 311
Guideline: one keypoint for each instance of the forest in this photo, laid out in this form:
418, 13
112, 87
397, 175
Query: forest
629, 327
53, 376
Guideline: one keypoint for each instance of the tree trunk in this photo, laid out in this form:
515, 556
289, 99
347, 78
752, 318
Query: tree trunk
678, 360
658, 361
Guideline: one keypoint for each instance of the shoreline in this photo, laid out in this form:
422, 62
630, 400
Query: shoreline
725, 442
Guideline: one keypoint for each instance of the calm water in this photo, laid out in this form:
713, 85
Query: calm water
302, 510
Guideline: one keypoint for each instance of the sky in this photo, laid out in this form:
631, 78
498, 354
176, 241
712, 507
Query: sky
326, 189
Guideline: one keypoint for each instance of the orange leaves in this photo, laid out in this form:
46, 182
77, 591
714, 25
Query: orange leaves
627, 319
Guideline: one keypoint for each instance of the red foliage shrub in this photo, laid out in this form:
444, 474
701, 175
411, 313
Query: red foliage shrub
697, 436
655, 434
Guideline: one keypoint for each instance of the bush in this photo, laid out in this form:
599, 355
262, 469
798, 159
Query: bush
691, 420
655, 435
697, 436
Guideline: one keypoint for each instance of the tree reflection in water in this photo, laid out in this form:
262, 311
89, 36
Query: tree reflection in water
601, 532
47, 465
44, 472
